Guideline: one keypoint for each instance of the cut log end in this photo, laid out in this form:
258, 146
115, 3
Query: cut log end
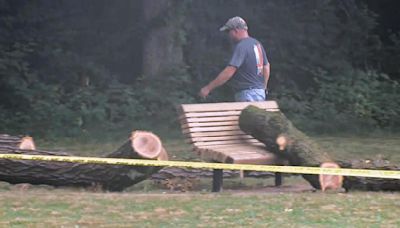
27, 144
146, 144
333, 182
282, 142
163, 155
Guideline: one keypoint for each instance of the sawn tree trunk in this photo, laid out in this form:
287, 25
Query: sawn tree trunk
282, 138
107, 177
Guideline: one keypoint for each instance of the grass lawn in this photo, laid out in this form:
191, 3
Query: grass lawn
57, 208
149, 205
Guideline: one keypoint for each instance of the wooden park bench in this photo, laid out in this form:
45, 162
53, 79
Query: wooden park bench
213, 130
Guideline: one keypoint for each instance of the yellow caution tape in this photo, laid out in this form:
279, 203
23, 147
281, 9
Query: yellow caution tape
394, 174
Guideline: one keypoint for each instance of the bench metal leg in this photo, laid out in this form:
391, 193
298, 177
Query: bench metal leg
217, 180
278, 179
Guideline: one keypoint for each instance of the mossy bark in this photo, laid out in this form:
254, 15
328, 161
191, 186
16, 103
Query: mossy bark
300, 150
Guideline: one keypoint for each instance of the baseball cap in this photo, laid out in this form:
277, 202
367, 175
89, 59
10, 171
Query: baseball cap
234, 23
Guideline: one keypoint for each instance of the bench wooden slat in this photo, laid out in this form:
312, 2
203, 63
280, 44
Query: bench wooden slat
227, 106
264, 160
211, 114
210, 129
216, 114
242, 158
209, 119
232, 148
219, 138
227, 142
216, 133
224, 147
237, 154
210, 124
246, 155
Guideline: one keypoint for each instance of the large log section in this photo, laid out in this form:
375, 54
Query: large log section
107, 177
282, 138
8, 141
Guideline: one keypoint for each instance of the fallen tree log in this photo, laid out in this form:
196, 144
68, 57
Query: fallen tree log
282, 138
141, 144
272, 128
19, 142
368, 183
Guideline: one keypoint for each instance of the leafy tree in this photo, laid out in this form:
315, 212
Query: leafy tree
69, 67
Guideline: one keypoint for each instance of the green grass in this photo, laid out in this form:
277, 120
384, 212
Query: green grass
353, 147
69, 208
243, 202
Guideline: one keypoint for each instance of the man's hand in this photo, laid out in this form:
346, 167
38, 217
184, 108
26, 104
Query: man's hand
222, 77
204, 92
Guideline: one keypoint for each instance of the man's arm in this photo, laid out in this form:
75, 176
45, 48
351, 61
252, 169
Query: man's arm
266, 71
222, 77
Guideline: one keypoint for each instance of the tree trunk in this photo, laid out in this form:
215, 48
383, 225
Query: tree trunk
295, 146
162, 47
107, 177
282, 138
16, 142
369, 183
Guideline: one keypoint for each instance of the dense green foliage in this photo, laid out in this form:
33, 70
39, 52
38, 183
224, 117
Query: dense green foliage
71, 67
354, 101
325, 60
66, 68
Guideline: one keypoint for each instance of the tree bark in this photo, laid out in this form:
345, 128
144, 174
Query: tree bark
107, 177
369, 183
298, 149
20, 142
282, 138
162, 48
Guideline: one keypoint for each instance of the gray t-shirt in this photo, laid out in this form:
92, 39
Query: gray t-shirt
249, 58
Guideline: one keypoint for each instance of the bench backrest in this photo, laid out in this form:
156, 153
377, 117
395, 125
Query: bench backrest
217, 124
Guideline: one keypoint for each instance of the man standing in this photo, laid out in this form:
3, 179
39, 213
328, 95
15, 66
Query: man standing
248, 68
